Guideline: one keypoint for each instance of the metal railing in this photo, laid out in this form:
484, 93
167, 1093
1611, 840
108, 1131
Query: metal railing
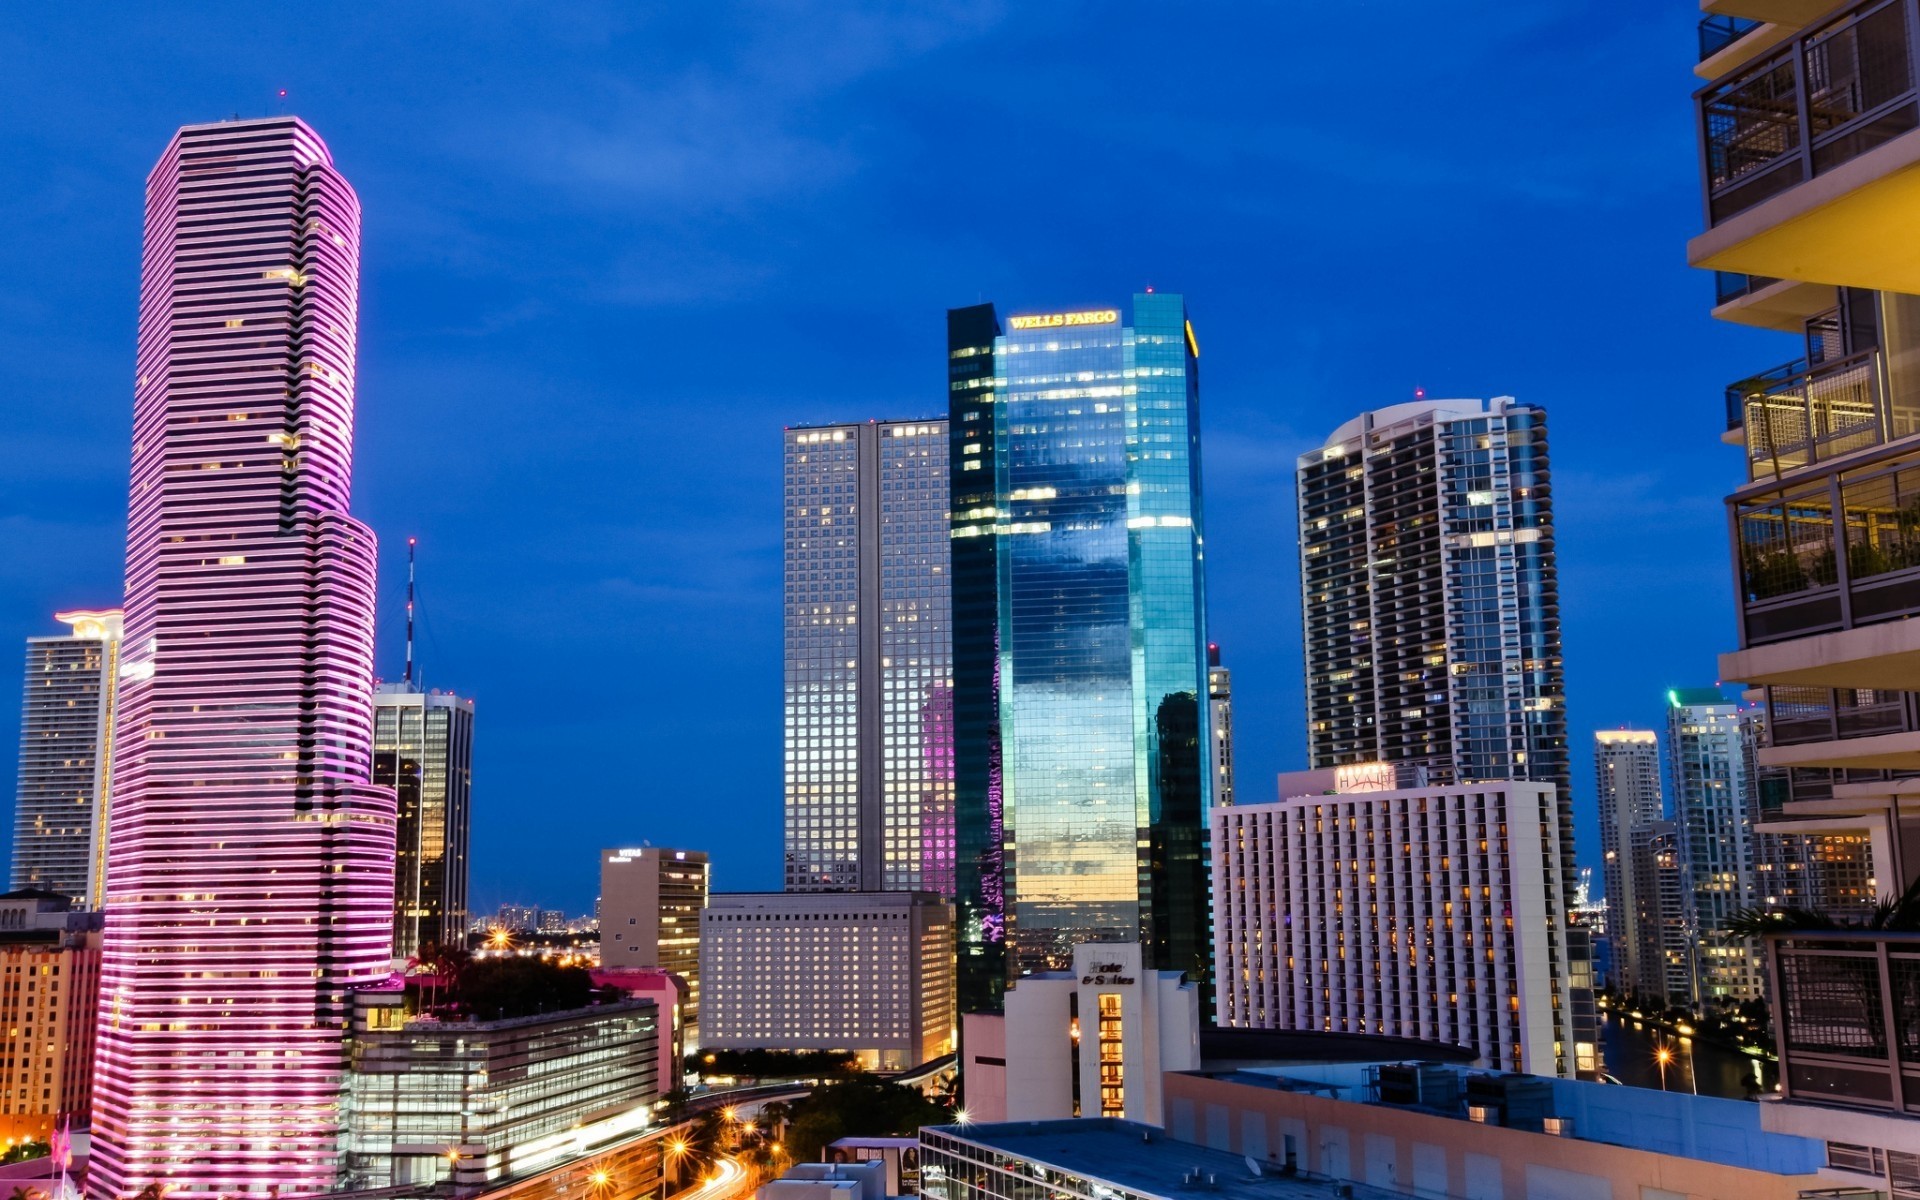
1718, 32
1832, 93
1847, 1010
1796, 414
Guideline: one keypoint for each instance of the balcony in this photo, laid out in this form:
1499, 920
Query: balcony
1808, 152
1786, 12
1718, 32
1847, 1008
1766, 303
1796, 415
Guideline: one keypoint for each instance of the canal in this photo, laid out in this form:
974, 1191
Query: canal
1709, 1068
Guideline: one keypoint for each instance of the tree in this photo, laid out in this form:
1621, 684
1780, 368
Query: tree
1893, 914
498, 988
861, 1106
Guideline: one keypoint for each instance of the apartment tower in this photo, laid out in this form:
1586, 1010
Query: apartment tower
1626, 770
1713, 809
250, 888
423, 750
869, 659
1084, 766
66, 757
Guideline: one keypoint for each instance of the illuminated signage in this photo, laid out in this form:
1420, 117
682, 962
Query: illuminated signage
1364, 777
1099, 316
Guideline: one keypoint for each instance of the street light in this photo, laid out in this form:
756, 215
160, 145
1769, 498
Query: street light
1663, 1056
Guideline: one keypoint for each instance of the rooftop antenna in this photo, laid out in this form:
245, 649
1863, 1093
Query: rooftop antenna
408, 677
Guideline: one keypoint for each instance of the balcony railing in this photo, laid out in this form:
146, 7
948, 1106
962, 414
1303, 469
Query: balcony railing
1832, 93
1731, 285
1717, 33
1847, 1008
1796, 414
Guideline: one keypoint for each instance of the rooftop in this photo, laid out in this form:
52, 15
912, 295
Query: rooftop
1705, 1128
1142, 1159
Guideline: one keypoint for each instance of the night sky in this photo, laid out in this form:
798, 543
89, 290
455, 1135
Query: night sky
607, 256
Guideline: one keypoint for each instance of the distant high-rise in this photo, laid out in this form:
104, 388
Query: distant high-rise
66, 757
250, 885
1626, 769
423, 749
1220, 698
1667, 942
1431, 598
869, 648
650, 904
1083, 749
1713, 809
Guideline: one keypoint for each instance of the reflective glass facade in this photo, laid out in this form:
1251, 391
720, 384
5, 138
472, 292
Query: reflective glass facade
869, 701
1080, 686
423, 749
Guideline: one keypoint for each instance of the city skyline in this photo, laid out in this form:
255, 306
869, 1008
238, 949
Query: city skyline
696, 558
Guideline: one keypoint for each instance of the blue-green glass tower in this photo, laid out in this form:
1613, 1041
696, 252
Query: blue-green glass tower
1082, 777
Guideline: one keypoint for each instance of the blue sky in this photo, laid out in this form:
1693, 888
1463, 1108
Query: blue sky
609, 250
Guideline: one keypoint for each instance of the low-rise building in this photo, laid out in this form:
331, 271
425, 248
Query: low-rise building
1371, 1132
871, 973
474, 1102
49, 998
1092, 1041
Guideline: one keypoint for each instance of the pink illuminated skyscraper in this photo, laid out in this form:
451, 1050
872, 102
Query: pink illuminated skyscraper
250, 868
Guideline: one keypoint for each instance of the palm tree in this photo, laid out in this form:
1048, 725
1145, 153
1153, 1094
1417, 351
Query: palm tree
1893, 914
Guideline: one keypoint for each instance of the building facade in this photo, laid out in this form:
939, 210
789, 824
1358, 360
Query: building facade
1714, 799
242, 802
423, 750
1626, 769
1431, 599
1425, 913
651, 899
472, 1102
1220, 700
866, 972
1077, 543
869, 659
66, 757
49, 1001
1093, 1041
1666, 947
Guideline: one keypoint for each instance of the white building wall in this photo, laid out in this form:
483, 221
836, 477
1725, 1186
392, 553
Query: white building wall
1396, 912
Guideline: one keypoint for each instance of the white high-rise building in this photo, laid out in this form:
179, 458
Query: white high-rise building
1425, 913
651, 899
1220, 697
1714, 801
869, 659
66, 753
1626, 770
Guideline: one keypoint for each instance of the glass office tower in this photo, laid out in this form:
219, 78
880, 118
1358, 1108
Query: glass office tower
1081, 724
423, 749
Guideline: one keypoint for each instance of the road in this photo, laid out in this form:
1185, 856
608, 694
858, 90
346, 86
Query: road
728, 1180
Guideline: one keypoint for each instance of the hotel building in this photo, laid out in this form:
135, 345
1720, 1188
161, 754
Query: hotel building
423, 749
1424, 913
869, 659
870, 973
1083, 749
66, 757
250, 886
1626, 769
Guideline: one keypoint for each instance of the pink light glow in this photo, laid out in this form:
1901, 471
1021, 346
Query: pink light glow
250, 871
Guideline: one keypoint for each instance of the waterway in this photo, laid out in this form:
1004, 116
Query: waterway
1708, 1068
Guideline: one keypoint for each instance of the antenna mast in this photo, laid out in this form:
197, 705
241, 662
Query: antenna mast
408, 677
